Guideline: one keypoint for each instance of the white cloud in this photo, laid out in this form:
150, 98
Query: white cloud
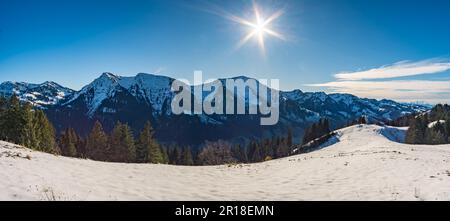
361, 83
399, 69
158, 70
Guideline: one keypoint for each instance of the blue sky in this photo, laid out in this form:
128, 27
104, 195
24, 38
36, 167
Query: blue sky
368, 48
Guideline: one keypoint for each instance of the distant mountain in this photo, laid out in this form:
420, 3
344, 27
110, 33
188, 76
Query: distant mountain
40, 95
134, 100
150, 89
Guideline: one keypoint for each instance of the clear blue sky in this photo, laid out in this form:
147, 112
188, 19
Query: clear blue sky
73, 41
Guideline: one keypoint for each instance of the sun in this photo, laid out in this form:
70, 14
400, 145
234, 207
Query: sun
259, 28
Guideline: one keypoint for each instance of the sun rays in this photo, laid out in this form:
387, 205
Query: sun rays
259, 27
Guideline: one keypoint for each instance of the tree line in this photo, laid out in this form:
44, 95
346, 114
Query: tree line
225, 152
432, 127
316, 130
117, 146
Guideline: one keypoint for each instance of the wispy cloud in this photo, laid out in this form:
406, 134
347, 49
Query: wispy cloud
158, 70
363, 84
399, 69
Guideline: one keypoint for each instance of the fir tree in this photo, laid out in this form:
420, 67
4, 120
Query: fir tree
68, 143
215, 153
142, 144
254, 153
12, 123
165, 155
147, 149
44, 132
316, 130
282, 149
128, 142
30, 131
155, 154
435, 137
187, 157
122, 144
97, 147
289, 137
239, 153
417, 130
3, 108
175, 156
80, 145
362, 120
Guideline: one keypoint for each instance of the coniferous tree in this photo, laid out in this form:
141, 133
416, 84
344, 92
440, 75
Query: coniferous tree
266, 149
362, 120
68, 143
97, 147
81, 145
3, 108
44, 133
12, 123
142, 144
187, 157
282, 149
289, 137
118, 151
215, 153
128, 142
122, 144
255, 152
325, 126
3, 103
316, 130
239, 153
155, 154
165, 155
416, 133
147, 149
307, 135
175, 155
435, 137
447, 130
29, 137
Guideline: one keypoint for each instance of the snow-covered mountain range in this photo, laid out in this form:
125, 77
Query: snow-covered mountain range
111, 98
41, 95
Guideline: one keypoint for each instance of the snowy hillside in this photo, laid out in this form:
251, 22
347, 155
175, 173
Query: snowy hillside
362, 163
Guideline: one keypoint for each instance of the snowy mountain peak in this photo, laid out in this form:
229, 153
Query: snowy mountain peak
40, 95
51, 84
293, 95
152, 89
243, 77
109, 75
97, 91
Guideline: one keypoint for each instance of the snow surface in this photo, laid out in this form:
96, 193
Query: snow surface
361, 164
432, 124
